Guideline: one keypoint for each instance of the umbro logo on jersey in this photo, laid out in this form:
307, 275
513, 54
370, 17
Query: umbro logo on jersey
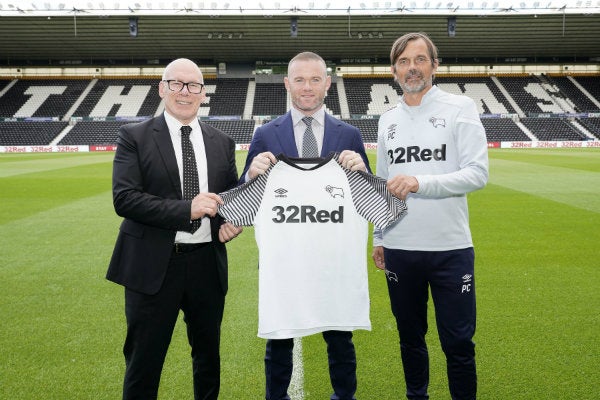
467, 278
391, 131
335, 191
281, 192
437, 122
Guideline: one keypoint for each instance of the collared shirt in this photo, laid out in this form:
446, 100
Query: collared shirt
203, 233
318, 127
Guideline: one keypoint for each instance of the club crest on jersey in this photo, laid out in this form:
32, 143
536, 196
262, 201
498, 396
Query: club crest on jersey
437, 122
334, 191
391, 131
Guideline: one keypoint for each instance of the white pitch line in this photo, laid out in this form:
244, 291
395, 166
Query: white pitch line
296, 389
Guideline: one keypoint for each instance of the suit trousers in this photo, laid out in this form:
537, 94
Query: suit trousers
191, 285
450, 277
342, 366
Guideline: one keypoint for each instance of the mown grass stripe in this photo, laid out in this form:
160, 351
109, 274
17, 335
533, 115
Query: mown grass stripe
23, 195
45, 163
565, 185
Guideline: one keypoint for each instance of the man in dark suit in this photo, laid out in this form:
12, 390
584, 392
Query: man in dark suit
165, 261
307, 131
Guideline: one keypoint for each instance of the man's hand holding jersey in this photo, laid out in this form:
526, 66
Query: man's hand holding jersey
402, 185
207, 205
352, 160
228, 232
260, 164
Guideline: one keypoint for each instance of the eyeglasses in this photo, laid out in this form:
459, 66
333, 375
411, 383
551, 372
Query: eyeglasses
192, 87
405, 62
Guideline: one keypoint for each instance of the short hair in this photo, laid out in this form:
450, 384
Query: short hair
308, 56
400, 45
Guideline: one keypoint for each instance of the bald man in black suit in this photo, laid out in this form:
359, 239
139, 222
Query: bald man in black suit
164, 261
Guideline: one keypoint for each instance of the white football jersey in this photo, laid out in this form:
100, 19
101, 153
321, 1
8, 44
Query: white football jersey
311, 230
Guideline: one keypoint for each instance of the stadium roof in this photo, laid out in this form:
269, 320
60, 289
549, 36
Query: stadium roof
118, 32
264, 7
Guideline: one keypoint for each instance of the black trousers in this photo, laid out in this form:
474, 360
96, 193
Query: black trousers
450, 277
191, 285
342, 366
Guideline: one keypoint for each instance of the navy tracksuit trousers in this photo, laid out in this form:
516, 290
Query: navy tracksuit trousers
450, 277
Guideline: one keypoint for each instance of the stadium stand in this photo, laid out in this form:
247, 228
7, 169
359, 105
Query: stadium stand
4, 83
241, 131
552, 129
332, 101
105, 132
513, 108
483, 90
93, 132
120, 98
592, 85
226, 96
371, 95
567, 89
367, 127
270, 99
503, 130
41, 98
592, 125
29, 133
534, 95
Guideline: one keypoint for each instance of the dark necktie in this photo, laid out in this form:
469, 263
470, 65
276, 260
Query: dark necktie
309, 142
191, 186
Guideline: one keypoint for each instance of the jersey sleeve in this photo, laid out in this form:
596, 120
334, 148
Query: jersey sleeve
372, 200
241, 204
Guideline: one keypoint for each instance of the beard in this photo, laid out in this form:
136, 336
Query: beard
308, 107
414, 82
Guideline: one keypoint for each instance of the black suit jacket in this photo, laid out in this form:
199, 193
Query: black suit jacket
147, 194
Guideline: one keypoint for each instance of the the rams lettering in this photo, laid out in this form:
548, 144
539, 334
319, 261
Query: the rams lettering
304, 214
408, 154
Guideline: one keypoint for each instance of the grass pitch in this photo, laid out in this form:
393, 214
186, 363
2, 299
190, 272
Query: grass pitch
535, 228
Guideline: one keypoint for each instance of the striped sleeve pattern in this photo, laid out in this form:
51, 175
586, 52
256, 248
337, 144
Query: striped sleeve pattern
372, 200
241, 204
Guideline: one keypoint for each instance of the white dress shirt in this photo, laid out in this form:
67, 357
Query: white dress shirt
203, 233
318, 128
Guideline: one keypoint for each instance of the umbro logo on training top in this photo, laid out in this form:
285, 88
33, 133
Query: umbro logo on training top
391, 131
